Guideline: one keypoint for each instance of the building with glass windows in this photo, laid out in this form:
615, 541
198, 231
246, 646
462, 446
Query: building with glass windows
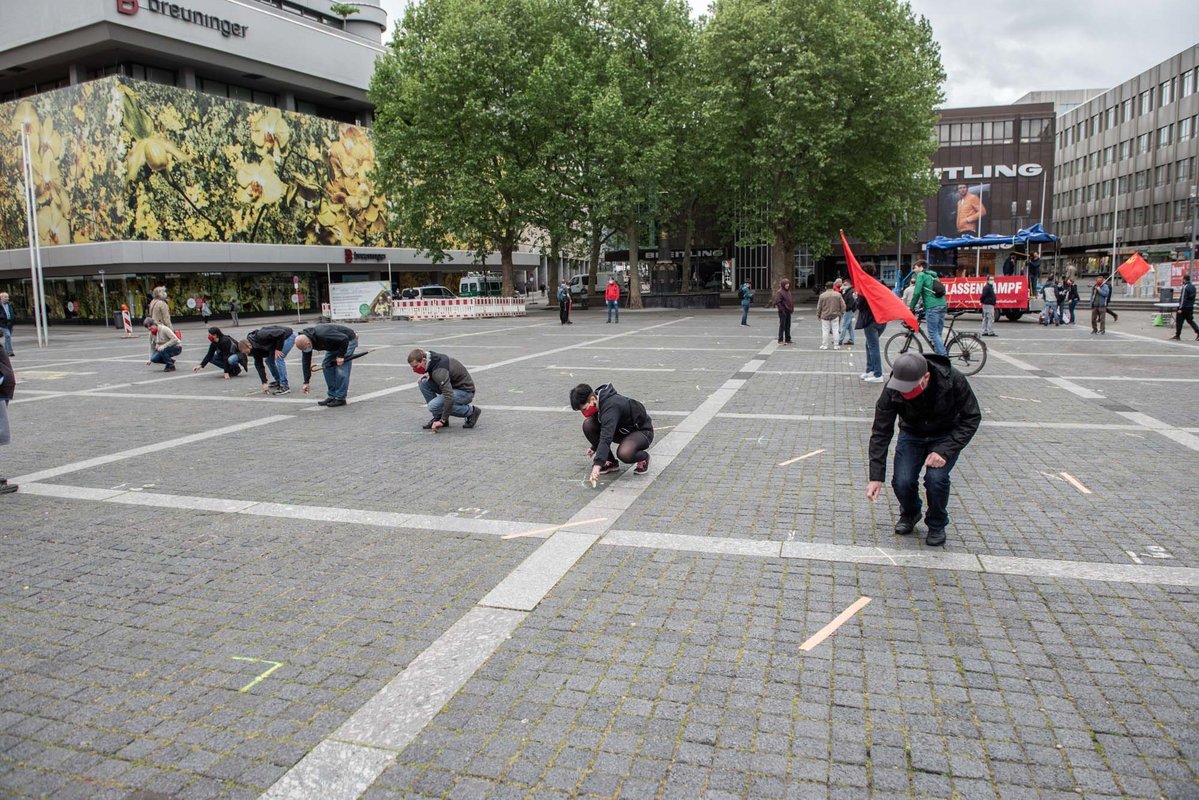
1127, 165
221, 147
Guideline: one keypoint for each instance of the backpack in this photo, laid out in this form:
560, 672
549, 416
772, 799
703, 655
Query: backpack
938, 288
740, 294
561, 294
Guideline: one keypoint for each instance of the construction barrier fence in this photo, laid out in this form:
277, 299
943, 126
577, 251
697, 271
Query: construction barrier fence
458, 308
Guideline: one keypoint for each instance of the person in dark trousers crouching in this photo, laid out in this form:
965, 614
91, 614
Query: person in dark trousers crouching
339, 343
447, 388
609, 417
938, 416
222, 351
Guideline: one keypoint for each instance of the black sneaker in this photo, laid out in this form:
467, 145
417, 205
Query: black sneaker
272, 385
609, 466
642, 466
473, 417
336, 402
170, 368
6, 487
935, 538
324, 402
905, 526
428, 426
283, 390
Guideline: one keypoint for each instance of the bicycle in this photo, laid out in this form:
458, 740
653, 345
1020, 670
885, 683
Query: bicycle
967, 352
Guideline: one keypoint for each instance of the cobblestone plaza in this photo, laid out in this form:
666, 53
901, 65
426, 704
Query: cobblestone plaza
210, 593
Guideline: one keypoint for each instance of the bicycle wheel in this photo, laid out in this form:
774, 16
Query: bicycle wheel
901, 343
967, 352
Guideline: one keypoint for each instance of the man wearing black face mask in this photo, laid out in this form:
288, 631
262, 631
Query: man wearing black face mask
938, 416
222, 351
447, 388
608, 418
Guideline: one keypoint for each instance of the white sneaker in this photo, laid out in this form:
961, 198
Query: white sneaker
824, 347
836, 347
864, 375
875, 379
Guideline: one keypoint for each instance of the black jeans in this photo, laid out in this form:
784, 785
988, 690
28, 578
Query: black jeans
564, 311
910, 453
632, 446
784, 326
1186, 315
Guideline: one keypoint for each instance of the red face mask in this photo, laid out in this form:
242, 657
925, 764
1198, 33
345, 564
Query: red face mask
211, 338
591, 410
154, 330
912, 395
419, 369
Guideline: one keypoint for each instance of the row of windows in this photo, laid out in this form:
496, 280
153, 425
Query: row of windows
1179, 172
1159, 214
35, 88
235, 92
305, 12
1160, 96
1184, 131
998, 132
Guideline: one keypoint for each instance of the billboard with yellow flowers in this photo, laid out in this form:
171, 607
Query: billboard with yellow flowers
121, 159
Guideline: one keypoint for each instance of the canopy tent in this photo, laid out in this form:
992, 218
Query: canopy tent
1034, 234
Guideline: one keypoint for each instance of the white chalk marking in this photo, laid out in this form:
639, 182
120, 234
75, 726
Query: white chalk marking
801, 458
831, 628
1075, 483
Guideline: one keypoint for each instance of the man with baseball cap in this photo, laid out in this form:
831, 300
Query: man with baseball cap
938, 416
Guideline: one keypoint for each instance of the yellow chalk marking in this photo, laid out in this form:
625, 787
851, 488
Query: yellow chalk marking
801, 458
553, 528
831, 628
1075, 483
255, 682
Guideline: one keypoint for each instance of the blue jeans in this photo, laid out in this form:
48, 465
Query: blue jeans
613, 308
7, 340
337, 379
167, 356
846, 334
278, 366
436, 403
744, 312
1051, 313
910, 452
874, 354
935, 317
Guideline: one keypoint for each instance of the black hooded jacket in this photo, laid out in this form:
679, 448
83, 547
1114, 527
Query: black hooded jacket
617, 415
328, 336
264, 342
947, 410
225, 344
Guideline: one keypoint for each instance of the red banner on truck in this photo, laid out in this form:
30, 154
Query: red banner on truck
1011, 292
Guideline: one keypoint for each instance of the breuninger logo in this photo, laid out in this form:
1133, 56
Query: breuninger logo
226, 27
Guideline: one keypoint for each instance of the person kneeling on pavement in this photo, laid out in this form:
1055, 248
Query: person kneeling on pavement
609, 417
938, 416
447, 388
166, 346
339, 344
222, 351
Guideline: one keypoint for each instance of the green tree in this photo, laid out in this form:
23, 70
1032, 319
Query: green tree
344, 10
463, 122
827, 112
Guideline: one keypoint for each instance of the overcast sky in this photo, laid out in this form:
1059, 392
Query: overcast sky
995, 52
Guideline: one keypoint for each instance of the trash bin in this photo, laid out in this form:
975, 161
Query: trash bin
116, 320
1166, 295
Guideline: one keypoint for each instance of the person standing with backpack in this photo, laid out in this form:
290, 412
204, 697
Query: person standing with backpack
746, 296
564, 303
931, 292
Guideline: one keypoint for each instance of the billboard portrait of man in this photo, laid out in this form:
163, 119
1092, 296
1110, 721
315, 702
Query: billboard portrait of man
962, 207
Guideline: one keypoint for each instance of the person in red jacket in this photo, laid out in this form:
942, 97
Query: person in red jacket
612, 299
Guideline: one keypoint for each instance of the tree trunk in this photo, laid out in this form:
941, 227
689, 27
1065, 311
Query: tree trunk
593, 270
552, 278
634, 267
782, 259
688, 234
506, 287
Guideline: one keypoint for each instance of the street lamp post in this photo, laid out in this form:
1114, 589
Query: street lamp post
1194, 226
104, 294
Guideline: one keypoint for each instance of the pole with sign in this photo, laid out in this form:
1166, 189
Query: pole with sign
295, 285
104, 293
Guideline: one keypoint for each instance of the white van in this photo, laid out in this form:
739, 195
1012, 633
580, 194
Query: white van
578, 284
480, 286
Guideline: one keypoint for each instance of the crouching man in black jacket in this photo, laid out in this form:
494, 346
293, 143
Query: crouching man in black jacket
222, 351
339, 343
609, 417
938, 416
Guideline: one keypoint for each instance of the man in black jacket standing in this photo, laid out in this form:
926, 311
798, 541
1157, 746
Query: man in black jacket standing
1186, 309
938, 416
339, 343
447, 388
987, 300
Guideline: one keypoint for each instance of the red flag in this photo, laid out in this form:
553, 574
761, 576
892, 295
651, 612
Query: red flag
1133, 269
883, 303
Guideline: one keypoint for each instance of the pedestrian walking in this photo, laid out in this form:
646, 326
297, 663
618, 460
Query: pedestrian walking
233, 309
986, 299
205, 311
612, 299
8, 385
1070, 300
167, 346
830, 307
872, 331
271, 344
611, 418
845, 335
1100, 293
564, 303
8, 316
338, 343
746, 295
786, 306
930, 292
938, 416
1184, 313
223, 352
447, 388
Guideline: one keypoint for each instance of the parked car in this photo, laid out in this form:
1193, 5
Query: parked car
432, 292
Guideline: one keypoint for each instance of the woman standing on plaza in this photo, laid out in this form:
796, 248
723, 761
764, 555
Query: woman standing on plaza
785, 305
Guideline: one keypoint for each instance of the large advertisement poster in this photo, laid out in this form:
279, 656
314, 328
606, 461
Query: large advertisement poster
358, 300
121, 159
1011, 291
962, 207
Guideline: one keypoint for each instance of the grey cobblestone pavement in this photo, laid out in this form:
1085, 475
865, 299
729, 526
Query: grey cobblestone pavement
209, 593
